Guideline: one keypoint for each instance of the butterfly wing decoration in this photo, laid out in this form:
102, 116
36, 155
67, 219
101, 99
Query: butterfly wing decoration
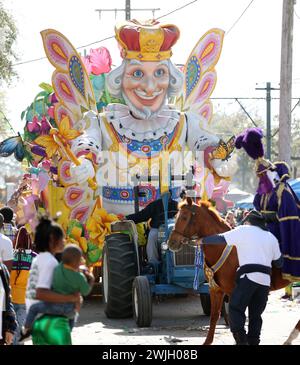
199, 74
230, 145
224, 150
70, 79
13, 145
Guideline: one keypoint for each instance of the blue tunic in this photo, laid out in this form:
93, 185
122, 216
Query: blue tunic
284, 203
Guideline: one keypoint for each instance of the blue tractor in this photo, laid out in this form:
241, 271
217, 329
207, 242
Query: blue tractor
128, 289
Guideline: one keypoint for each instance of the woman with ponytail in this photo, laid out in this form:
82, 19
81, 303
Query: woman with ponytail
23, 256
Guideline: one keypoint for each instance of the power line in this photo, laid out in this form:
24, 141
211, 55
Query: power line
104, 39
233, 25
44, 58
173, 11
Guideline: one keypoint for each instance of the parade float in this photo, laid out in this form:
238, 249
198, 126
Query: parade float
90, 133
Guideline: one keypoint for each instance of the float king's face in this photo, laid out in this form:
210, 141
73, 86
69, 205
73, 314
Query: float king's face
145, 84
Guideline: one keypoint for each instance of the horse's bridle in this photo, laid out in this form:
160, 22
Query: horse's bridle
192, 209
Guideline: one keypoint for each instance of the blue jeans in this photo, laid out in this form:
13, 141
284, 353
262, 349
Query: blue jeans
20, 310
59, 309
151, 248
254, 296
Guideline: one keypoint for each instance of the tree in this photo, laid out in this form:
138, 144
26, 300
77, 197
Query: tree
8, 35
226, 126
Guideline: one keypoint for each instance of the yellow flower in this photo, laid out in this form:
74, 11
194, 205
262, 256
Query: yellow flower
98, 225
57, 137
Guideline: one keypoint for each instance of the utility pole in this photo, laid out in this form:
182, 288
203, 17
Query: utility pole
286, 80
268, 89
127, 10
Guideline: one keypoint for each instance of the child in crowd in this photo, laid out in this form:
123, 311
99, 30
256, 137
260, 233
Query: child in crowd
230, 219
8, 229
23, 256
68, 279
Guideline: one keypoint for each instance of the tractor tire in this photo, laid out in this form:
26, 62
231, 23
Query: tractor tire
205, 302
142, 301
119, 270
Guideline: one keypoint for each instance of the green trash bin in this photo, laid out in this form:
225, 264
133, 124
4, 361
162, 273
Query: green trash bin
51, 330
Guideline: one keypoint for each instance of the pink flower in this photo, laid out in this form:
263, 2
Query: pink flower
45, 125
34, 126
87, 64
46, 165
100, 61
51, 112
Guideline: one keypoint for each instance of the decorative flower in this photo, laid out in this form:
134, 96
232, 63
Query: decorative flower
53, 99
34, 126
46, 165
57, 137
50, 112
45, 125
98, 224
87, 63
38, 150
100, 61
75, 234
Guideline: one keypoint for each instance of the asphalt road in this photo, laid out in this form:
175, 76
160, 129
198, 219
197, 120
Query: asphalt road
178, 321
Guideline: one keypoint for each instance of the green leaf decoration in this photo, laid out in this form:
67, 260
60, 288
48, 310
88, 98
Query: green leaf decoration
46, 87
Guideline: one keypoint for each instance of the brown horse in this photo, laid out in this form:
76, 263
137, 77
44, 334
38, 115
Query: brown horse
201, 221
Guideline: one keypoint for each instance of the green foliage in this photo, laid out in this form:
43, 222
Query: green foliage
5, 128
8, 35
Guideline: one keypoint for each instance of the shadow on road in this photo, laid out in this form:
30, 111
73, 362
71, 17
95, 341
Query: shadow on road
177, 316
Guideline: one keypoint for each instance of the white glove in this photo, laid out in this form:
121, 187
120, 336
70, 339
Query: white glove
82, 172
225, 168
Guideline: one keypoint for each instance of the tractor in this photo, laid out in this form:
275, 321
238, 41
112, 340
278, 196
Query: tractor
127, 288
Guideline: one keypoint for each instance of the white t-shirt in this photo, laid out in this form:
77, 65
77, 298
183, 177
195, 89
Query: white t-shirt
41, 274
254, 246
6, 248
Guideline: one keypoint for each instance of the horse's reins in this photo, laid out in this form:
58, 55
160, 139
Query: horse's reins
193, 214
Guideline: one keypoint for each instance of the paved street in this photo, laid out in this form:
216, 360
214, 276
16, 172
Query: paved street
181, 318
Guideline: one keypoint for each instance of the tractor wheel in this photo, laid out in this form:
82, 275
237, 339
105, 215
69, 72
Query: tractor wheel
119, 270
142, 301
205, 302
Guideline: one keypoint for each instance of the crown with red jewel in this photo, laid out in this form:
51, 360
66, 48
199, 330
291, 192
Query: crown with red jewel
149, 41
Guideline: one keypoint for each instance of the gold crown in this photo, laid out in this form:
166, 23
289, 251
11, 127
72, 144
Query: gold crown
147, 41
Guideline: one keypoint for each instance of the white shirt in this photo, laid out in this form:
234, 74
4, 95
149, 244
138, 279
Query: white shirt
6, 248
254, 246
41, 274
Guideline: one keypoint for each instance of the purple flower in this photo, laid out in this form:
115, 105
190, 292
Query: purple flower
38, 150
54, 170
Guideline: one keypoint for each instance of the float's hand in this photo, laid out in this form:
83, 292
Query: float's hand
59, 139
82, 170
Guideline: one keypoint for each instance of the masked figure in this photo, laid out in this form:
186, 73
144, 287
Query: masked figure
276, 201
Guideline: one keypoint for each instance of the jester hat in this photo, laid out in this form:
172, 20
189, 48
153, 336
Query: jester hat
251, 141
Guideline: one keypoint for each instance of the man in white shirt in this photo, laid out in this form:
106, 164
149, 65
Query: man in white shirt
257, 250
6, 248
